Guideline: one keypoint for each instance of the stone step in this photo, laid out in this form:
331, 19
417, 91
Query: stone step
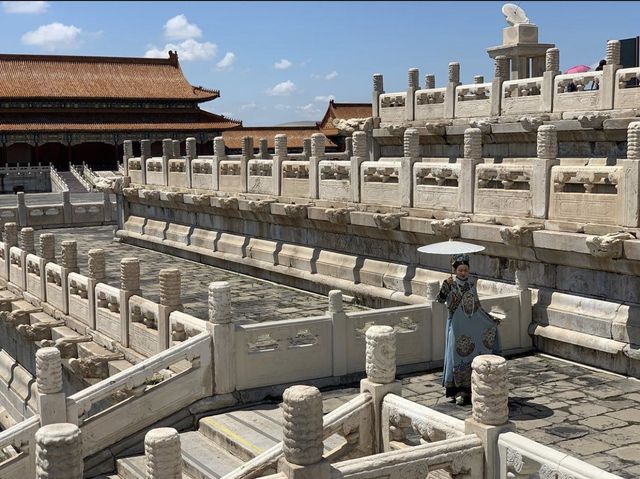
24, 305
201, 459
118, 365
91, 349
249, 432
41, 317
62, 332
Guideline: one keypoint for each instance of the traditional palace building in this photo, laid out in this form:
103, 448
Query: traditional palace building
63, 109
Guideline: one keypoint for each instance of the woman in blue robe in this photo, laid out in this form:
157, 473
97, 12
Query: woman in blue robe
470, 330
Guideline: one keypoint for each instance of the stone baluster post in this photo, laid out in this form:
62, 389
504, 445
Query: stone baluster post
608, 80
378, 89
67, 208
264, 149
360, 154
551, 70
280, 155
478, 79
466, 181
163, 455
547, 153
413, 86
169, 301
69, 264
380, 380
317, 155
339, 320
219, 154
129, 286
223, 331
348, 146
411, 155
97, 274
490, 408
48, 247
27, 246
429, 81
22, 209
10, 238
631, 176
167, 154
303, 435
191, 153
106, 206
145, 153
247, 154
306, 148
176, 149
127, 152
59, 452
51, 398
450, 95
500, 75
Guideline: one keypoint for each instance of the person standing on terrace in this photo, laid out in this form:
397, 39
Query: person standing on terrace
470, 330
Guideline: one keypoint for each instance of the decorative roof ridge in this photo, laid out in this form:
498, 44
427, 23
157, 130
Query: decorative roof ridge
171, 60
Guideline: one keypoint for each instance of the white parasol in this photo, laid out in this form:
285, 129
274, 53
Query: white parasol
451, 247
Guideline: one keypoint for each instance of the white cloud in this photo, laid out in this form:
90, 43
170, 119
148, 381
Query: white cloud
331, 76
282, 89
227, 61
281, 107
25, 7
248, 106
179, 28
282, 64
324, 98
188, 50
308, 107
54, 36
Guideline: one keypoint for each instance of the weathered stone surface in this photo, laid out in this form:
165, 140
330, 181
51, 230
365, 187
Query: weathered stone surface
381, 354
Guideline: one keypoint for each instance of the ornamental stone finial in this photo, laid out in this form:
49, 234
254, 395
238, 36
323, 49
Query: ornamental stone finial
191, 148
613, 52
176, 148
145, 148
11, 234
218, 147
264, 148
48, 247
317, 145
501, 67
127, 149
59, 452
247, 147
69, 258
547, 142
473, 143
414, 78
429, 81
220, 302
281, 146
454, 72
170, 287
48, 370
348, 146
27, 240
163, 456
335, 301
378, 83
381, 354
633, 141
552, 60
360, 148
302, 412
306, 147
167, 147
97, 264
130, 274
411, 143
477, 79
490, 390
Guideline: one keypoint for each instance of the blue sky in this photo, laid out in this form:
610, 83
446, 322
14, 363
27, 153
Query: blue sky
277, 62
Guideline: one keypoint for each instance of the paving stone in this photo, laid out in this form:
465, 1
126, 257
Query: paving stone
627, 453
628, 415
603, 391
602, 423
588, 410
584, 446
568, 431
570, 394
624, 436
606, 462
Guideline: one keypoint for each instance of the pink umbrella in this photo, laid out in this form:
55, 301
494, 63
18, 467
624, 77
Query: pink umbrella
579, 69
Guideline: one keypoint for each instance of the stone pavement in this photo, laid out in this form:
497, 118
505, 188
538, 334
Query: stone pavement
253, 300
592, 415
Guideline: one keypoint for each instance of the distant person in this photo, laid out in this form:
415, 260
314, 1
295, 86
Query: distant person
470, 331
595, 85
571, 87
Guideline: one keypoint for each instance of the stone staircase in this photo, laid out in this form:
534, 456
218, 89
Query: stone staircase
224, 441
72, 182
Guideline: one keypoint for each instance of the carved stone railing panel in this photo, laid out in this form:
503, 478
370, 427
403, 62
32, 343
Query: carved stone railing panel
503, 189
298, 349
335, 180
626, 91
392, 107
473, 100
380, 182
429, 104
295, 178
583, 98
155, 173
16, 271
260, 177
522, 96
56, 287
78, 288
108, 311
184, 326
35, 271
143, 325
435, 186
202, 174
45, 215
229, 176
